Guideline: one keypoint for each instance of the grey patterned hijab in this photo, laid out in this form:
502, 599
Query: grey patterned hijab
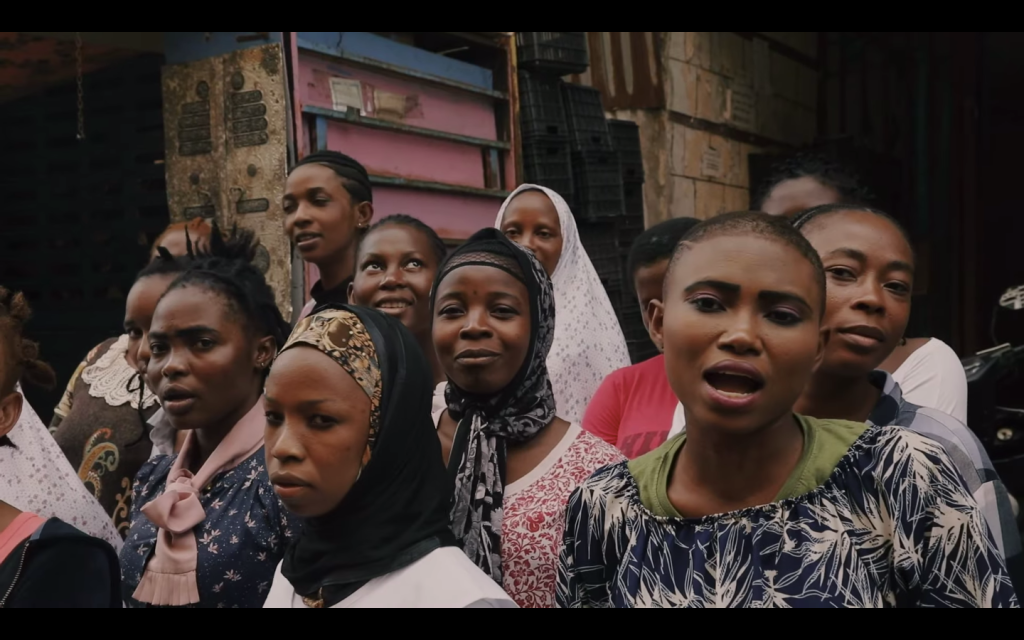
516, 414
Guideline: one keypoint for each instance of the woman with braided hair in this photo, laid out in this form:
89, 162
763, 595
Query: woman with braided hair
44, 561
328, 207
207, 530
102, 423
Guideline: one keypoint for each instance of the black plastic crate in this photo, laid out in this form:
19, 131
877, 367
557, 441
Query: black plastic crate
556, 52
633, 199
600, 239
626, 140
548, 163
541, 106
597, 185
584, 112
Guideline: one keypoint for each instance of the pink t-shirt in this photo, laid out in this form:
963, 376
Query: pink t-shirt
633, 409
17, 532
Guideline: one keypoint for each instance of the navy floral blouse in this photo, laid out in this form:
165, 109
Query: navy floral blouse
240, 543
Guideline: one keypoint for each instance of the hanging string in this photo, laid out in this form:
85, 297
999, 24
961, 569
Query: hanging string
79, 78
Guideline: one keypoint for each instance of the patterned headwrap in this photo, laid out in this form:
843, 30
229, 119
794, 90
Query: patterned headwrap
342, 336
397, 511
516, 414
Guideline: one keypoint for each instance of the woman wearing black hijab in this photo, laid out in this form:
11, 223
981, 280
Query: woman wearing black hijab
352, 450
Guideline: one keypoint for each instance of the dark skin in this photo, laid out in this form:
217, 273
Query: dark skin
870, 274
206, 366
318, 430
738, 301
649, 283
531, 221
323, 222
798, 195
482, 337
138, 318
395, 272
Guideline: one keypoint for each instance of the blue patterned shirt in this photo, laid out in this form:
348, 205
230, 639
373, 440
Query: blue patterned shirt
967, 454
240, 543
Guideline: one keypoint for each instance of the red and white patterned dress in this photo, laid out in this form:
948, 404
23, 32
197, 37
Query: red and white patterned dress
531, 535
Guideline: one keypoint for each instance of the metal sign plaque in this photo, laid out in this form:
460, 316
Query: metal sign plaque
227, 150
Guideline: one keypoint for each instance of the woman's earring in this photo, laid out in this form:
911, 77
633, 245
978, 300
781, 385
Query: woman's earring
903, 342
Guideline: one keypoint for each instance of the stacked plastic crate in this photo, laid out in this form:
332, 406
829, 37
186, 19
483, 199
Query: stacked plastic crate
544, 57
626, 140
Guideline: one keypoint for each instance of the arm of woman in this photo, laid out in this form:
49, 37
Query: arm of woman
945, 554
936, 380
584, 574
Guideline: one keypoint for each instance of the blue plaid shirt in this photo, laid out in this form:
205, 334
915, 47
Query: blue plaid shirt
969, 456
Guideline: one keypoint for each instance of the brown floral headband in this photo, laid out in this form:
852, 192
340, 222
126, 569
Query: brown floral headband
341, 335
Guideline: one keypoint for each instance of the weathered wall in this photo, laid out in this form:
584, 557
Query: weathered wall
706, 101
731, 95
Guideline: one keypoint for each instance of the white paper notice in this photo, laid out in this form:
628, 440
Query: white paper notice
711, 163
741, 107
347, 94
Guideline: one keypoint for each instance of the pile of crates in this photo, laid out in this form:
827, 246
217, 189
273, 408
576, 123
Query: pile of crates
570, 147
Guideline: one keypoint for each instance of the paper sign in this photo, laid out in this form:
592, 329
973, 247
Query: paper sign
347, 94
711, 163
741, 107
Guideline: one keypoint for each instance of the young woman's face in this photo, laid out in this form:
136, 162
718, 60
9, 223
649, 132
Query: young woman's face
318, 427
395, 271
741, 331
138, 317
320, 217
205, 362
870, 273
531, 221
481, 328
798, 195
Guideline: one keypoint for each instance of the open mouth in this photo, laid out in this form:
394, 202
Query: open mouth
305, 239
177, 401
733, 384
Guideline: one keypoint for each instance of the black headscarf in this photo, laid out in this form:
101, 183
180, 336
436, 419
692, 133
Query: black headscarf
517, 413
397, 511
345, 166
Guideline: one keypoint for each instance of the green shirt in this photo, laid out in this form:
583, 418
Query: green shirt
825, 444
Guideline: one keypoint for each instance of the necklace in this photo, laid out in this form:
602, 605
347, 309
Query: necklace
315, 603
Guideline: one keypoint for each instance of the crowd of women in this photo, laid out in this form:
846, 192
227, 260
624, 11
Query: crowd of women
463, 429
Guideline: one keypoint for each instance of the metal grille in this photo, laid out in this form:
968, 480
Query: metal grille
78, 216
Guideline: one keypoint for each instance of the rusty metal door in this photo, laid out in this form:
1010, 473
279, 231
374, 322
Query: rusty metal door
226, 123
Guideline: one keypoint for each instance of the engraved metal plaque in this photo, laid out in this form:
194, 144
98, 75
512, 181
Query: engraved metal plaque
226, 123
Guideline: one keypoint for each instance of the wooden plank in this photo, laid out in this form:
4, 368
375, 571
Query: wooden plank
387, 125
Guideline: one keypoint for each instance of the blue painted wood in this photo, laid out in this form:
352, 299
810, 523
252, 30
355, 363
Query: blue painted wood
189, 46
369, 45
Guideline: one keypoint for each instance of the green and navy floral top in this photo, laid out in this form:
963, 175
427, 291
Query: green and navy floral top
873, 517
241, 542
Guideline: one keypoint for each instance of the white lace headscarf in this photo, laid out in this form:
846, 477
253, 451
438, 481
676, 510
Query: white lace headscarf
37, 478
589, 344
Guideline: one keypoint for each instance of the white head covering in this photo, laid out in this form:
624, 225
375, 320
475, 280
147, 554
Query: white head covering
37, 478
589, 345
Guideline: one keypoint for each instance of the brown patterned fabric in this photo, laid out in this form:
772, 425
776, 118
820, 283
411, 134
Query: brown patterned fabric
105, 444
342, 336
